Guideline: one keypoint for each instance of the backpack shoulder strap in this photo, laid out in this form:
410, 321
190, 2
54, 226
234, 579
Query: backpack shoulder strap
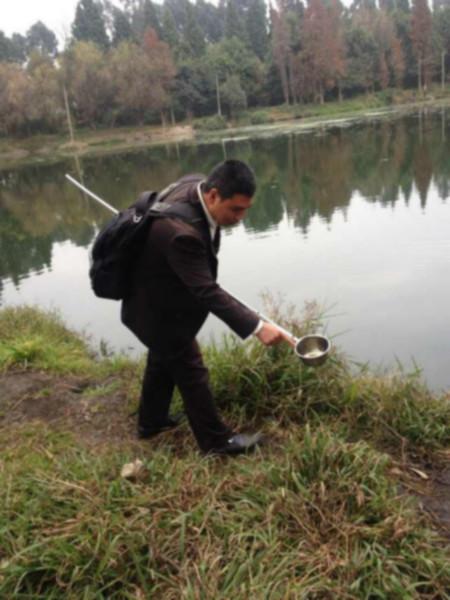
144, 202
180, 210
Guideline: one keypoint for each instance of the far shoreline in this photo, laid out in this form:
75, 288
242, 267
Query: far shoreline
48, 149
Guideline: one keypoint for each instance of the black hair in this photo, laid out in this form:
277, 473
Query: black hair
231, 177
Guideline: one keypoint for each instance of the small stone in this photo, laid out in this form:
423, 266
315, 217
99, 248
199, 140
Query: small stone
132, 470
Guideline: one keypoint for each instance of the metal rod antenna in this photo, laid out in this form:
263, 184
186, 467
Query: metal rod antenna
91, 194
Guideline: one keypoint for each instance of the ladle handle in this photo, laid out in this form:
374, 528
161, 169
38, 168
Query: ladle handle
264, 317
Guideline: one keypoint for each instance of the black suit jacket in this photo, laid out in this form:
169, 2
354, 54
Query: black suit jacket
173, 283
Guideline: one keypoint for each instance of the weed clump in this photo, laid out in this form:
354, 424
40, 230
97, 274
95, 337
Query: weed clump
31, 337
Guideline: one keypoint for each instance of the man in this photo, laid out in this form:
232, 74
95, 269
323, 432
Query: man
173, 288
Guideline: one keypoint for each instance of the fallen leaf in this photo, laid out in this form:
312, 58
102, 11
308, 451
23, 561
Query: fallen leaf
421, 474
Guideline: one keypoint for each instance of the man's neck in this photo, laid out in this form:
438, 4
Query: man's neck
211, 221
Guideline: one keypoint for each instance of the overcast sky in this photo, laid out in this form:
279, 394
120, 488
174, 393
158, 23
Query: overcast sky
19, 15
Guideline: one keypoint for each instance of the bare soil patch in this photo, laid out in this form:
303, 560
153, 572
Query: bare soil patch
93, 411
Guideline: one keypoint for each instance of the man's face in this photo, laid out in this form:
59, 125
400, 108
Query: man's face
230, 211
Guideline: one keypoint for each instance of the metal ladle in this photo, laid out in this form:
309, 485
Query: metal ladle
312, 349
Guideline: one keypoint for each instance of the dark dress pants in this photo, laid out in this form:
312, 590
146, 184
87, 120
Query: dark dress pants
188, 372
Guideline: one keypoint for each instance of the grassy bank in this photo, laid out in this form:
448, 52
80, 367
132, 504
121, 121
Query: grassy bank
328, 509
52, 148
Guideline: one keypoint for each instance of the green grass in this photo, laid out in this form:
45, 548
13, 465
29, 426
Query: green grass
318, 513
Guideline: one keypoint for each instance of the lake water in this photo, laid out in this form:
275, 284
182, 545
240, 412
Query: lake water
355, 218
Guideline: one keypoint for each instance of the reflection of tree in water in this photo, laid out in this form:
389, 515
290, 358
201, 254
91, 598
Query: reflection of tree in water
20, 253
318, 174
305, 176
37, 210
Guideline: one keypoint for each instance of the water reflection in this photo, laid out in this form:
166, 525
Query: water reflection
302, 176
46, 224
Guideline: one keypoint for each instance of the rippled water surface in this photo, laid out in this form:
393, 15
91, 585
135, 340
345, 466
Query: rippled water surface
354, 218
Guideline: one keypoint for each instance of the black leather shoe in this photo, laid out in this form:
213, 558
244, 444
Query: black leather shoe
239, 443
147, 431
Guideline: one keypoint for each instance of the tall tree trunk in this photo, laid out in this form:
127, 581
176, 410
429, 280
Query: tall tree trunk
291, 80
69, 118
219, 106
340, 96
172, 116
321, 93
419, 75
284, 83
443, 53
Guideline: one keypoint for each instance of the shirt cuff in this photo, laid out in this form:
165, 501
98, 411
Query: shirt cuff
258, 327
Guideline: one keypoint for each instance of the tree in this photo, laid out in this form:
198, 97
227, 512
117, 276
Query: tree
441, 37
46, 107
209, 21
89, 24
194, 88
121, 27
421, 40
193, 41
323, 48
146, 17
256, 26
18, 48
143, 76
169, 30
41, 38
179, 10
14, 49
281, 47
5, 47
234, 21
87, 79
232, 95
391, 64
361, 59
14, 98
231, 57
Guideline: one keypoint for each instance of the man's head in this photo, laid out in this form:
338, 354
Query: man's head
228, 191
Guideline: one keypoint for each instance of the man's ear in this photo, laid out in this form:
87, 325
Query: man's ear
215, 195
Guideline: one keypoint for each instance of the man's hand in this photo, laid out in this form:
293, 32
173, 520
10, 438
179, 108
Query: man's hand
270, 335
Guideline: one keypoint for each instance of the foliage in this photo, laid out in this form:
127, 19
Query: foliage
89, 25
122, 30
142, 76
233, 96
294, 52
211, 123
88, 81
15, 98
260, 117
40, 38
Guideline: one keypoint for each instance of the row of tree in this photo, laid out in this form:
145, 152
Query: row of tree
145, 61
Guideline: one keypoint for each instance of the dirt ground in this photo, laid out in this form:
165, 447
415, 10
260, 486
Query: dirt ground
96, 413
93, 412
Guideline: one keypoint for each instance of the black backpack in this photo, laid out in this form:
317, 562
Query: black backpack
118, 243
